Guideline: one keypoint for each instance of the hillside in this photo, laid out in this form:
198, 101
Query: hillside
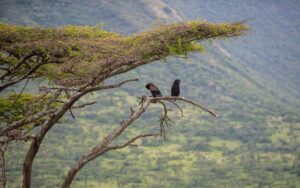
252, 82
272, 48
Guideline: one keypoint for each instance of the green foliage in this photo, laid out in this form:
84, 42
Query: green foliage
77, 52
12, 33
183, 48
178, 39
15, 107
85, 32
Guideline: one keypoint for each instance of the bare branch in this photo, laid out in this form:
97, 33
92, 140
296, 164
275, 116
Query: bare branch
164, 120
53, 118
17, 80
131, 110
3, 68
73, 116
9, 71
26, 121
93, 88
187, 101
103, 146
177, 107
21, 92
24, 138
113, 85
58, 88
131, 141
84, 105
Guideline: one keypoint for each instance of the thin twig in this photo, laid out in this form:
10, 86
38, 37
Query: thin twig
84, 105
21, 138
72, 113
177, 107
131, 141
187, 101
17, 65
164, 120
96, 88
58, 88
21, 92
30, 71
113, 85
26, 121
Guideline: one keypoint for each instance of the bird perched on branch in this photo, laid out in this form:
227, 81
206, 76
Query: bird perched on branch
175, 90
154, 90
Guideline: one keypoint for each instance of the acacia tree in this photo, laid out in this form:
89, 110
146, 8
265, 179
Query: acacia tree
75, 61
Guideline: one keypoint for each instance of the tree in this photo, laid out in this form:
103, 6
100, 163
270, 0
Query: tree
75, 61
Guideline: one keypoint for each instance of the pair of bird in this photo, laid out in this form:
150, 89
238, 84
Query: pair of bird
175, 89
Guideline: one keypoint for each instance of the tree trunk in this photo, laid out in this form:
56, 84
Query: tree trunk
27, 165
103, 147
2, 166
35, 145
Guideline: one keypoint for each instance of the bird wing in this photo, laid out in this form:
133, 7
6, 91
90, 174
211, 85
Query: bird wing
156, 93
173, 88
153, 88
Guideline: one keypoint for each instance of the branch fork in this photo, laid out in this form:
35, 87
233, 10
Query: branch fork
105, 145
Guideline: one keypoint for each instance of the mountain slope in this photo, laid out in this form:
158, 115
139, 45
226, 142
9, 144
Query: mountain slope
272, 48
250, 81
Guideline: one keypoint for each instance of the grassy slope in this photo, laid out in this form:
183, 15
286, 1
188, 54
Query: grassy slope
254, 143
272, 48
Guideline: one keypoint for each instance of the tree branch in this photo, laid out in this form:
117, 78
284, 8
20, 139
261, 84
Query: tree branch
26, 121
21, 92
50, 122
164, 120
9, 71
127, 143
113, 85
187, 101
17, 138
96, 88
58, 88
104, 145
84, 105
177, 107
28, 73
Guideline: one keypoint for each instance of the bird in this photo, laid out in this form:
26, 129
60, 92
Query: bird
154, 90
175, 90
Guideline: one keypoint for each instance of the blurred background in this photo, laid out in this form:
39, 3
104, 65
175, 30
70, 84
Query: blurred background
252, 82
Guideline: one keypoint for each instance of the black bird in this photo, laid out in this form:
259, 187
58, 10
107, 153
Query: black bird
175, 90
154, 90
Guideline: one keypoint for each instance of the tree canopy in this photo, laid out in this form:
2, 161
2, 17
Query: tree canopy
75, 54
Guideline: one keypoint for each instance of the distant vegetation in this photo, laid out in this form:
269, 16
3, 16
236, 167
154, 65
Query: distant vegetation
251, 82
